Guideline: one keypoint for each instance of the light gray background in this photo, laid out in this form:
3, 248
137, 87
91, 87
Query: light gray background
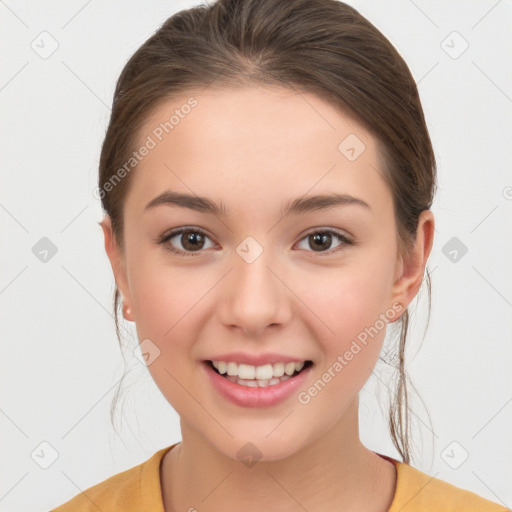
60, 360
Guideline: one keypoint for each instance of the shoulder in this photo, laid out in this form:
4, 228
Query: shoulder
135, 489
417, 491
113, 494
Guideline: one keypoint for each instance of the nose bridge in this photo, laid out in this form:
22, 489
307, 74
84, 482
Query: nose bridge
254, 297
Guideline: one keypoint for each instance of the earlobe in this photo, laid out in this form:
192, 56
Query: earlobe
117, 263
412, 267
127, 312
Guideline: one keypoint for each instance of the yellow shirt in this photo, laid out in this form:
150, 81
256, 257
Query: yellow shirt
138, 490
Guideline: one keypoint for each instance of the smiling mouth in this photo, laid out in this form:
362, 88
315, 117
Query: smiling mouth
253, 382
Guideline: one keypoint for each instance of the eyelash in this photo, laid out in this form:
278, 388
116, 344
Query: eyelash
165, 238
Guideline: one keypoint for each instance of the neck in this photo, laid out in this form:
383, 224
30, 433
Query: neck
339, 470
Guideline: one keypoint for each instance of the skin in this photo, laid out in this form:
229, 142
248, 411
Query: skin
254, 149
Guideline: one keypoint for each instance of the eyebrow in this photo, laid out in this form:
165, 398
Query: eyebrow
296, 206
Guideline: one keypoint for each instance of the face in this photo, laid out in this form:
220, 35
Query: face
316, 283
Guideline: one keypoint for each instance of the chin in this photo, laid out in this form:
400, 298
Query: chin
258, 448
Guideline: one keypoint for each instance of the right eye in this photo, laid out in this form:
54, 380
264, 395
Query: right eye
192, 240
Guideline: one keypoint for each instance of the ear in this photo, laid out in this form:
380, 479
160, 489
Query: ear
118, 264
410, 269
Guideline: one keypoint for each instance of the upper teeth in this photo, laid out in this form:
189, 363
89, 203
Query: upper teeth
248, 371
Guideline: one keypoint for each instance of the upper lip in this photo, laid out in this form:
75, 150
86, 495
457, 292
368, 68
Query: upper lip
256, 360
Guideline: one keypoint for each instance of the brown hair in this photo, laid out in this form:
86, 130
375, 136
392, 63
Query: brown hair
320, 46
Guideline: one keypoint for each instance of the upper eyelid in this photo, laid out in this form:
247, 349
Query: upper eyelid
176, 231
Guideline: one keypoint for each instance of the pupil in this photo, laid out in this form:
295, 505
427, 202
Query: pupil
322, 239
193, 239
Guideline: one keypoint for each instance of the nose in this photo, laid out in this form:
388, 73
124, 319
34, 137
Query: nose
254, 296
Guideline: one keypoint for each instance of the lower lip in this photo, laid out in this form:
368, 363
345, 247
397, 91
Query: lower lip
255, 397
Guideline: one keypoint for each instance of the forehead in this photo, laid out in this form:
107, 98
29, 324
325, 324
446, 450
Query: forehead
238, 114
254, 143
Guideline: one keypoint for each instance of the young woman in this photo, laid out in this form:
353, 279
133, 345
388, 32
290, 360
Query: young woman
267, 178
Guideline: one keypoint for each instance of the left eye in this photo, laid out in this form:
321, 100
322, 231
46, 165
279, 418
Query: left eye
318, 240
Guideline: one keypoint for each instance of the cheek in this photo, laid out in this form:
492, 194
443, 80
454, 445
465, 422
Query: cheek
347, 299
154, 303
166, 302
351, 303
167, 305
